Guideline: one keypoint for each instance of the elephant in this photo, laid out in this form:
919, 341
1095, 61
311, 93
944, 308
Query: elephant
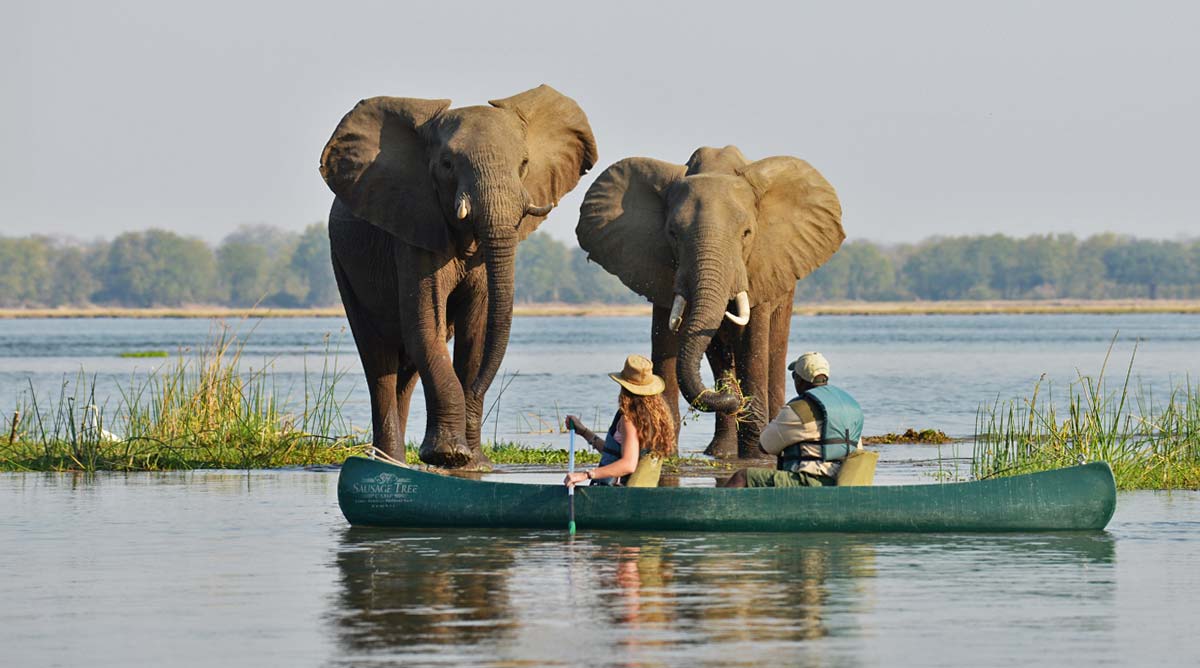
717, 245
430, 204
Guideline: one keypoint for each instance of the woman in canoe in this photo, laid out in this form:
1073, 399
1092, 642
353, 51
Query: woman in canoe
641, 434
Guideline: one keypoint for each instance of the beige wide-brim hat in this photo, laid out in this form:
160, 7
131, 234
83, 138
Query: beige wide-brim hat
810, 365
638, 377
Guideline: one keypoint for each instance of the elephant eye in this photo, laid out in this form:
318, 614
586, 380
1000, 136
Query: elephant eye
524, 167
746, 233
446, 164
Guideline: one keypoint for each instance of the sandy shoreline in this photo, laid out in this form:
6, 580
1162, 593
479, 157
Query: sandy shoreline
1107, 306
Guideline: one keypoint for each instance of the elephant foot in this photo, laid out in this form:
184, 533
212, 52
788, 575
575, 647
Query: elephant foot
722, 447
724, 443
747, 449
447, 451
478, 462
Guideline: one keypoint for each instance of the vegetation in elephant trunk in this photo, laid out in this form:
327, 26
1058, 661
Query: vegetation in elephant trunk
701, 319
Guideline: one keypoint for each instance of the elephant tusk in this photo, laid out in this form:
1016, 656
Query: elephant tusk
464, 206
677, 308
743, 310
534, 210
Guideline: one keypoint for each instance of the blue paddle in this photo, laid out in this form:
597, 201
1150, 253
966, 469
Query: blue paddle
571, 489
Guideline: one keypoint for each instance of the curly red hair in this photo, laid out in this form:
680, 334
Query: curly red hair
649, 415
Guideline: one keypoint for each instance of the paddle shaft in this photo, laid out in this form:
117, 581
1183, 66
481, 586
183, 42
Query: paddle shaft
571, 489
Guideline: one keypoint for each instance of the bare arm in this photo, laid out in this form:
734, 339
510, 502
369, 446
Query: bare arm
629, 455
594, 440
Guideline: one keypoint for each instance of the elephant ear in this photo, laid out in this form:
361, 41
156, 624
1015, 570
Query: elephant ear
560, 142
800, 223
376, 163
622, 225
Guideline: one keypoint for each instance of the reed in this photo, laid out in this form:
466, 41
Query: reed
1150, 442
207, 409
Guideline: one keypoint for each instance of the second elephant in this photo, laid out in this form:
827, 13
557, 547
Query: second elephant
717, 245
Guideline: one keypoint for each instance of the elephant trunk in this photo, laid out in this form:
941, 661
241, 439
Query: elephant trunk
500, 254
705, 311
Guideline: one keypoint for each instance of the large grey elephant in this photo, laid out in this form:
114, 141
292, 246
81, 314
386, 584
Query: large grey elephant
717, 245
431, 203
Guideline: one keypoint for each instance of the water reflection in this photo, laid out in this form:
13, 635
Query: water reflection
411, 590
458, 597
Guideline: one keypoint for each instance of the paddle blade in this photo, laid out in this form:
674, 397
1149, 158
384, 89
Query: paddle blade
571, 527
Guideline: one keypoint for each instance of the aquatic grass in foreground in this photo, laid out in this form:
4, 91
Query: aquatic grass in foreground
198, 410
1149, 443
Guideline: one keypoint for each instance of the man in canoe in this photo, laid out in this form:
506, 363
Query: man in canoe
641, 435
812, 434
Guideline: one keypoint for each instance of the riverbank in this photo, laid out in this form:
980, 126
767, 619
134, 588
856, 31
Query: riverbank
986, 307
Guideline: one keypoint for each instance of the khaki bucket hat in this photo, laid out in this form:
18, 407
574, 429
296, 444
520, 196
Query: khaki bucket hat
638, 377
810, 365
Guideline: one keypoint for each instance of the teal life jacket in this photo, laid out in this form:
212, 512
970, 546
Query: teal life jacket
841, 427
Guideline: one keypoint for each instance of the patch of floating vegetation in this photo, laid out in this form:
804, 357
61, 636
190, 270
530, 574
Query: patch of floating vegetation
1150, 442
139, 354
923, 436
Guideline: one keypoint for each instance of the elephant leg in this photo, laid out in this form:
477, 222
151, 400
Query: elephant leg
751, 357
664, 347
777, 356
425, 334
381, 361
720, 354
468, 309
406, 384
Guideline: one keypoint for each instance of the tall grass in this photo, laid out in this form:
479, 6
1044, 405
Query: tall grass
1150, 442
207, 409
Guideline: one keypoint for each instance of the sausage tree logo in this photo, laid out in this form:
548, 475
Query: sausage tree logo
385, 485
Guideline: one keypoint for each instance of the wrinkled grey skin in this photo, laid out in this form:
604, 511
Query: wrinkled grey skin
700, 234
431, 203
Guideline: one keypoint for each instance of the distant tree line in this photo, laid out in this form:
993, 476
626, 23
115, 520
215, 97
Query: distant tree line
257, 264
273, 267
254, 265
1104, 266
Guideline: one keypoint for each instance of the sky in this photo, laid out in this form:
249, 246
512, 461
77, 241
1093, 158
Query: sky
930, 118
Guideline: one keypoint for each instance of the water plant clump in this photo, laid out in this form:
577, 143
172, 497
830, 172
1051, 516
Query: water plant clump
910, 435
728, 383
205, 409
1150, 443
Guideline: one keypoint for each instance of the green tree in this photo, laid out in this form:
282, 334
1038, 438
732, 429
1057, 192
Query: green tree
595, 285
243, 267
858, 270
949, 268
158, 268
256, 267
1149, 265
25, 271
312, 264
71, 278
543, 271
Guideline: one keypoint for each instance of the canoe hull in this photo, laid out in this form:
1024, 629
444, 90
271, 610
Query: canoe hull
1078, 498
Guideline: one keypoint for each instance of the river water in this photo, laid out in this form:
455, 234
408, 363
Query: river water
236, 569
906, 371
249, 569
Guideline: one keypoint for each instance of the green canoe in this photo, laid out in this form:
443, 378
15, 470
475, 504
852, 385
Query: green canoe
374, 493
